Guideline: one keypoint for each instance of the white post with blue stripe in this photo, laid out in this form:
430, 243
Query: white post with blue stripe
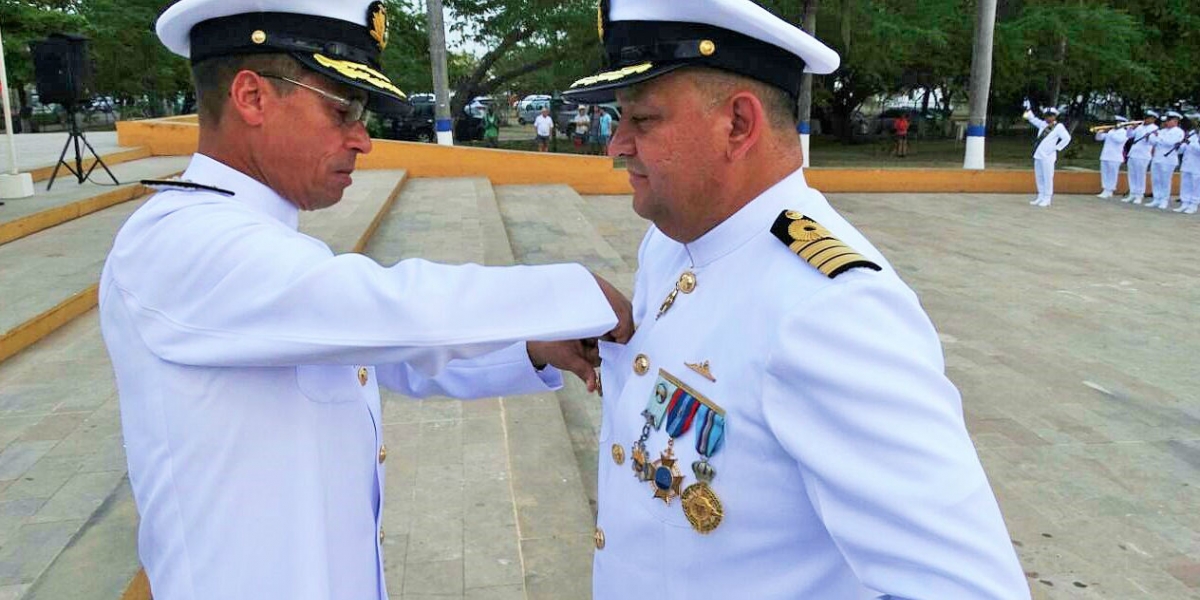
443, 124
981, 82
803, 128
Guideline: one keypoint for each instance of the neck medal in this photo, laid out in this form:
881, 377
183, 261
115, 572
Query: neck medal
700, 504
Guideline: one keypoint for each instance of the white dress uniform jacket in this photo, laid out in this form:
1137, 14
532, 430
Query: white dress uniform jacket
1114, 145
1056, 140
846, 470
1142, 148
248, 359
1165, 152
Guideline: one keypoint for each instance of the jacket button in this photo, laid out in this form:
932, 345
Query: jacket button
362, 376
641, 364
382, 453
618, 454
599, 538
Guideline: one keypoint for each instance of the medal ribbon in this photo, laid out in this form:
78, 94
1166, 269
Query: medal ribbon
680, 412
710, 433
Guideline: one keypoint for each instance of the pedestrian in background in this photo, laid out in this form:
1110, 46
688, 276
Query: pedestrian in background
900, 127
580, 125
491, 128
543, 126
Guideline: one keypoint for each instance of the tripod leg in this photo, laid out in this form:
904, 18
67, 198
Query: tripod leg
78, 159
99, 161
60, 163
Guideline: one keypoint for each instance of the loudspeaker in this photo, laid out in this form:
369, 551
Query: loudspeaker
62, 69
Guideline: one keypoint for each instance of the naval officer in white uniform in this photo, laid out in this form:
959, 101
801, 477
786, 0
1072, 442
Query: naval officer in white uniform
780, 426
1111, 157
1140, 151
1189, 169
1052, 137
1167, 142
249, 358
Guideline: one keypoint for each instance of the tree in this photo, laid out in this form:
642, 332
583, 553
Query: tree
24, 22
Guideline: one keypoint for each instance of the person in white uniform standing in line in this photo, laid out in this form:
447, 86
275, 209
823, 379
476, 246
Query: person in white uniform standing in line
1166, 159
1139, 152
1111, 157
781, 425
1051, 139
249, 357
1189, 168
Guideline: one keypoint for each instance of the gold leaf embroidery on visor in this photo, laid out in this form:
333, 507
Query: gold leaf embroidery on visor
614, 75
359, 72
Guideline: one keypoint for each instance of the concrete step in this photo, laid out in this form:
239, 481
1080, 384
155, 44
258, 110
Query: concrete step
70, 200
67, 520
37, 151
484, 498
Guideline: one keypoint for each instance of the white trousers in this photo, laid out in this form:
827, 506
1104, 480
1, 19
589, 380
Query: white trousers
1109, 170
1044, 171
1137, 176
1161, 174
1189, 187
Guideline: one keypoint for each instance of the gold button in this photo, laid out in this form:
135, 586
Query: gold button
259, 36
380, 536
599, 537
362, 376
707, 47
687, 282
382, 453
641, 364
618, 454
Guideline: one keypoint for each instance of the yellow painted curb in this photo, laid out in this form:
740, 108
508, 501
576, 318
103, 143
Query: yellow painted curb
139, 587
33, 330
40, 221
113, 159
596, 175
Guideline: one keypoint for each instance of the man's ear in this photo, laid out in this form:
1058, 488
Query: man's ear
747, 125
248, 97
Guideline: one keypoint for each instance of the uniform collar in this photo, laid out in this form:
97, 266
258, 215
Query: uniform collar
753, 218
246, 190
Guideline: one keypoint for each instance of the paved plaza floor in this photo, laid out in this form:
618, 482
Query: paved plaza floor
35, 150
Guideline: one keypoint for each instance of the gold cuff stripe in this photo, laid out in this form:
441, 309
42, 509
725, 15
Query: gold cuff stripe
360, 72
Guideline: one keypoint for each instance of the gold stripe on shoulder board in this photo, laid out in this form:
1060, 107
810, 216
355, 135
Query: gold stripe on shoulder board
815, 244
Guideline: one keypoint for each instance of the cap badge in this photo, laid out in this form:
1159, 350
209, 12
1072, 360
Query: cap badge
377, 22
707, 48
259, 36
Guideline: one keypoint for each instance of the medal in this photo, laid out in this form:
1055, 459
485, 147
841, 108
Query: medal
702, 507
637, 453
667, 477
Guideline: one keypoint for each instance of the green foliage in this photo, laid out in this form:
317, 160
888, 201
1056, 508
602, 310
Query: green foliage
21, 22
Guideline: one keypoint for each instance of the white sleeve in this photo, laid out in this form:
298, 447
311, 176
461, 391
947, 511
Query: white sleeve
505, 372
1064, 136
856, 394
209, 285
1036, 122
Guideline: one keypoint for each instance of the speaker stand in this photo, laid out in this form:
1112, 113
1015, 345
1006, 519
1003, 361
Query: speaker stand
75, 136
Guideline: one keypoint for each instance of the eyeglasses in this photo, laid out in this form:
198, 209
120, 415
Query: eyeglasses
354, 111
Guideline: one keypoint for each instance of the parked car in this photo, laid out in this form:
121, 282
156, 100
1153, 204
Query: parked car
479, 105
528, 111
416, 126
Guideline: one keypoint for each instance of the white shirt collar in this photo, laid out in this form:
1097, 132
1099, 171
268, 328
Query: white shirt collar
247, 190
753, 218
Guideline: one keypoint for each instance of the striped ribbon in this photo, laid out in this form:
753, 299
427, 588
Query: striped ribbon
680, 412
710, 432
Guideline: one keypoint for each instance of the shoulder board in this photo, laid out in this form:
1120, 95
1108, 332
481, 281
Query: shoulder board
817, 245
183, 186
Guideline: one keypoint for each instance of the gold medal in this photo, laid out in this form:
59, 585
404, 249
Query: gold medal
702, 507
666, 476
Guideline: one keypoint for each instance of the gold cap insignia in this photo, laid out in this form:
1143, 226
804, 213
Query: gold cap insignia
377, 22
259, 36
817, 245
707, 48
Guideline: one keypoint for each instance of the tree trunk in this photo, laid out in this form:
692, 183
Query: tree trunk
1056, 81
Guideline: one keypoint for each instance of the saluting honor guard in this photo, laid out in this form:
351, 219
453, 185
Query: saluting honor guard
780, 425
1189, 169
1051, 139
249, 357
1112, 155
1138, 151
1166, 159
